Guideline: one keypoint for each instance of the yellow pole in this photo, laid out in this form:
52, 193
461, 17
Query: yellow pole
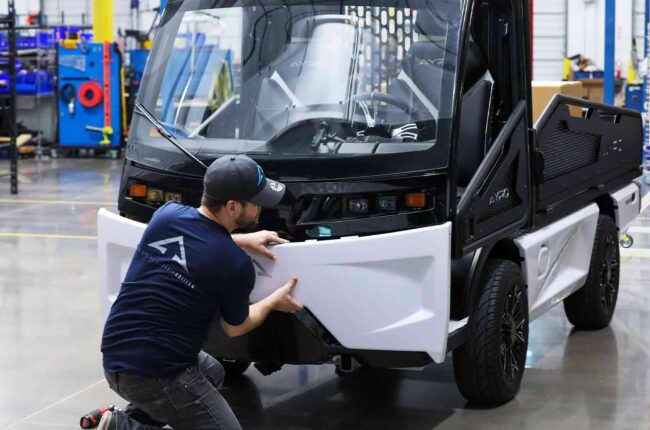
103, 20
631, 73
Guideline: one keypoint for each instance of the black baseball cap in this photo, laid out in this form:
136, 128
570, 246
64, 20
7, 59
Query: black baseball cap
238, 177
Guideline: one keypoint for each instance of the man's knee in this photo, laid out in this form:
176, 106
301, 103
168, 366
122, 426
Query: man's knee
211, 369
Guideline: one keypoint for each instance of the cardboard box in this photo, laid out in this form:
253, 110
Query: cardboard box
593, 89
543, 92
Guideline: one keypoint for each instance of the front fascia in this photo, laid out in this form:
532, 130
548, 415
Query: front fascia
380, 292
386, 292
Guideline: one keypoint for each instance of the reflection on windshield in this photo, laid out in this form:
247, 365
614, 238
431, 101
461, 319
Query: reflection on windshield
310, 79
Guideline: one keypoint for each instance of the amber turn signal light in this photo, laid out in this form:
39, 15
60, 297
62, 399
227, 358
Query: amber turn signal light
416, 200
138, 190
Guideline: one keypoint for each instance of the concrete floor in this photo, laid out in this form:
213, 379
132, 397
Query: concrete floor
50, 364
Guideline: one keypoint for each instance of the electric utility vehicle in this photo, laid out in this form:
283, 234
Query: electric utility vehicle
427, 213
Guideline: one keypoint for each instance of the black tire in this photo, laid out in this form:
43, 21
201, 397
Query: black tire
592, 306
234, 368
490, 365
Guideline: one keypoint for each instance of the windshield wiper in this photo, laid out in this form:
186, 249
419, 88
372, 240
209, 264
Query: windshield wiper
325, 134
143, 112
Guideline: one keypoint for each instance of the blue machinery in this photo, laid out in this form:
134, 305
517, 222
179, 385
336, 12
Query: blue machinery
90, 96
637, 96
189, 65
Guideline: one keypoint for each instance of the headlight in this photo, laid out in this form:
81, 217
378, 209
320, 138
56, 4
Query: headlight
387, 203
154, 195
358, 206
173, 197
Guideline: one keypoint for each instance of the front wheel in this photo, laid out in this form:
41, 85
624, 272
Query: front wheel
490, 365
592, 306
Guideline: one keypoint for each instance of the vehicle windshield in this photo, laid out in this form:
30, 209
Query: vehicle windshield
301, 78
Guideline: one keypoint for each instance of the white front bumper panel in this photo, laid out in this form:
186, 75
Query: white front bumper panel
385, 292
382, 292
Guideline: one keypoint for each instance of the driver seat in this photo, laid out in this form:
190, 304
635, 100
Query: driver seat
300, 75
420, 81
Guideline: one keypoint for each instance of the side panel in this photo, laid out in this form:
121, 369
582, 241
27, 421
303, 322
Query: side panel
627, 207
557, 257
385, 292
496, 202
117, 238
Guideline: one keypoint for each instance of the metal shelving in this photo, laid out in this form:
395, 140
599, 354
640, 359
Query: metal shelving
646, 94
8, 126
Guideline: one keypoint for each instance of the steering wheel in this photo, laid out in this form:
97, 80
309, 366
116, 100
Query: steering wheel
386, 98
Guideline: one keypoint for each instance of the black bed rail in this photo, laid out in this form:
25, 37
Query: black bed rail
581, 146
559, 99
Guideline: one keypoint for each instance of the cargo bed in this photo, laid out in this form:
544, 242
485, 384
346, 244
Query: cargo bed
577, 159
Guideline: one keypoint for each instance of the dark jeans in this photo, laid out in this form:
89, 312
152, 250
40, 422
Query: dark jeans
188, 400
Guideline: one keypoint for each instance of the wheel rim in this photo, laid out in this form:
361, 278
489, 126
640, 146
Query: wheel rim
609, 273
513, 341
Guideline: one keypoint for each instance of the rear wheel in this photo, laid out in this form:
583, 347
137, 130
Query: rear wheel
490, 365
234, 368
592, 306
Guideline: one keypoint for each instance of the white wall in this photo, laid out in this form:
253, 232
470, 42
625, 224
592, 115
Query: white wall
561, 27
586, 31
549, 39
121, 12
23, 7
638, 26
624, 35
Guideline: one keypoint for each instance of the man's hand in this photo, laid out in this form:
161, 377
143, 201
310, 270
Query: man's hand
283, 301
280, 300
258, 242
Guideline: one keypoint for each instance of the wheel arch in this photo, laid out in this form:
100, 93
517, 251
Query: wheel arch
467, 272
607, 206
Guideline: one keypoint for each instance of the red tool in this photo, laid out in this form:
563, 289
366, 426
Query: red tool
91, 419
107, 84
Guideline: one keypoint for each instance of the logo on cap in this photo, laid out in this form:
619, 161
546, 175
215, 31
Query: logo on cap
277, 187
260, 175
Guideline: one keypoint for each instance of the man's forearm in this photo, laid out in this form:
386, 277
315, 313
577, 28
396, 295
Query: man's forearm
257, 313
239, 239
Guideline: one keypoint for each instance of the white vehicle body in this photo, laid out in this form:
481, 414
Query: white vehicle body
391, 292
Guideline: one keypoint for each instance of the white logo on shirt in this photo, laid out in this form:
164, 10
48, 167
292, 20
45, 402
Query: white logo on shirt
180, 260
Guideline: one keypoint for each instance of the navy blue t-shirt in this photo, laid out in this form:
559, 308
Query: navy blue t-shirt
186, 271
